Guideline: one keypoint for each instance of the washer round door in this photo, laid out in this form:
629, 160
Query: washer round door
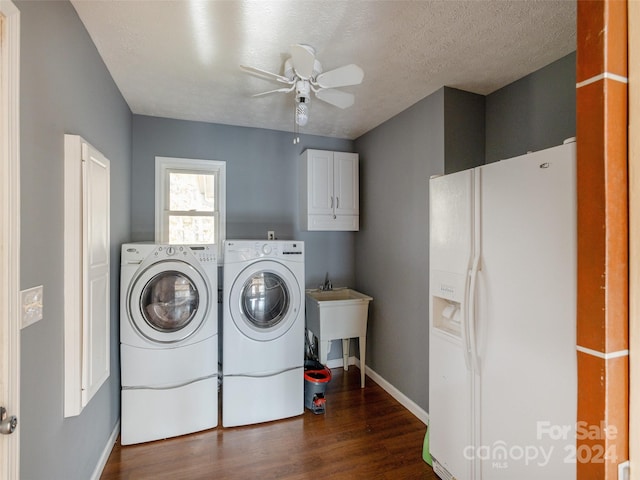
168, 301
265, 300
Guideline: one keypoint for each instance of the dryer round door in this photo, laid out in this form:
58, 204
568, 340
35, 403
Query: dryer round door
265, 300
168, 301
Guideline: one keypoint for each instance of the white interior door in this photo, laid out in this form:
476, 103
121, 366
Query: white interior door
9, 233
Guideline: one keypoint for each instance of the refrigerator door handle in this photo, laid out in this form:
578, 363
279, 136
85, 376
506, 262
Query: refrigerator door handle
471, 302
464, 332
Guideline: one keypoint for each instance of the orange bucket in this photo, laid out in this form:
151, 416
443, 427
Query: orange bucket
315, 384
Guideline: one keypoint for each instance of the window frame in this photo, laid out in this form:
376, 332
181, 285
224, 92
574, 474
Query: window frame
167, 165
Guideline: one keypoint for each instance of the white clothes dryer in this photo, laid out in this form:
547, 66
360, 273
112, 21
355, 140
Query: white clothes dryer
168, 340
263, 331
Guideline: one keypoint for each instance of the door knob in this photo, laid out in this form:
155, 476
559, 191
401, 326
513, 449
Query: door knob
7, 423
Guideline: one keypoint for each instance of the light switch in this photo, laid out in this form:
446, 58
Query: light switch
31, 300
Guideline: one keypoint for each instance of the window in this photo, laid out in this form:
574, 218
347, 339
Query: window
190, 201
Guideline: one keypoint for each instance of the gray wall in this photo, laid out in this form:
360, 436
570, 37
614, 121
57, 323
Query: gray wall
448, 131
262, 185
392, 262
533, 113
464, 130
442, 133
65, 88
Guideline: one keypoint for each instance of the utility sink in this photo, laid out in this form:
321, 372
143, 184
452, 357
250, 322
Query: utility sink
335, 314
338, 294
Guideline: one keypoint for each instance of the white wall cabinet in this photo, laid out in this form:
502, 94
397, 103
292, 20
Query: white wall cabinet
87, 244
329, 191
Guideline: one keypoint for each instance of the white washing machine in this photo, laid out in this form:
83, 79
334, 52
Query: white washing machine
263, 331
168, 340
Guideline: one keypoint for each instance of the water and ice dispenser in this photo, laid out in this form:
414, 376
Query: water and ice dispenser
447, 295
447, 316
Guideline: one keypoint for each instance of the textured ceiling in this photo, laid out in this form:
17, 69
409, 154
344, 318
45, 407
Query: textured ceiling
180, 59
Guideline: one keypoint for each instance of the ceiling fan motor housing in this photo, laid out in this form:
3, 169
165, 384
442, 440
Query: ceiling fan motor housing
290, 73
303, 91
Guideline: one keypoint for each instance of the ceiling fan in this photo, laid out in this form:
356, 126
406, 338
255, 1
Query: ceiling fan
303, 74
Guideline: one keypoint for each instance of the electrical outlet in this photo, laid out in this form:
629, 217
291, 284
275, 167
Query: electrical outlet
271, 235
32, 305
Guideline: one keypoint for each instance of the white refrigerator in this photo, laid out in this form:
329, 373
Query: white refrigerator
502, 342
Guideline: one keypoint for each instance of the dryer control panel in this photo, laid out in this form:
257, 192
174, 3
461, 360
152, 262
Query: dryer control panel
243, 250
293, 248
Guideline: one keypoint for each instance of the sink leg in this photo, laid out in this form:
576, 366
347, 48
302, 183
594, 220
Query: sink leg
345, 353
324, 350
362, 344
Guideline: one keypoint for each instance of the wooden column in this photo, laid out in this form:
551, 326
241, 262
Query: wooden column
603, 333
633, 22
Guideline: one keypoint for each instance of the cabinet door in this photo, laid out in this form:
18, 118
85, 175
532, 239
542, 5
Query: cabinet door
96, 265
320, 182
345, 183
87, 240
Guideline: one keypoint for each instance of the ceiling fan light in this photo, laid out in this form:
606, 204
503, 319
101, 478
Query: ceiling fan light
302, 114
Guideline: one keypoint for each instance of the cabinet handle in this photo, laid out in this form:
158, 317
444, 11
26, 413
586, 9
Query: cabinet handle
331, 202
337, 202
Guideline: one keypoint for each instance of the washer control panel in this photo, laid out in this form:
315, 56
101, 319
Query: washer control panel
204, 253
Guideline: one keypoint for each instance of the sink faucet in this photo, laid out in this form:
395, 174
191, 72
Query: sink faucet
327, 283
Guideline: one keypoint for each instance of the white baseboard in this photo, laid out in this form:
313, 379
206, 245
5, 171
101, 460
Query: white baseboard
405, 401
337, 362
106, 452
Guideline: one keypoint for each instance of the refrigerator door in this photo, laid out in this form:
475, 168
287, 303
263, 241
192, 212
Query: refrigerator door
526, 324
450, 375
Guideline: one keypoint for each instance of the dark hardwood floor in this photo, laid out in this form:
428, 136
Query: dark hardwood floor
364, 434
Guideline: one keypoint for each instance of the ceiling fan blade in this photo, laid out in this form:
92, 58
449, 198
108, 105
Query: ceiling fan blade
303, 58
279, 90
336, 97
350, 74
266, 75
